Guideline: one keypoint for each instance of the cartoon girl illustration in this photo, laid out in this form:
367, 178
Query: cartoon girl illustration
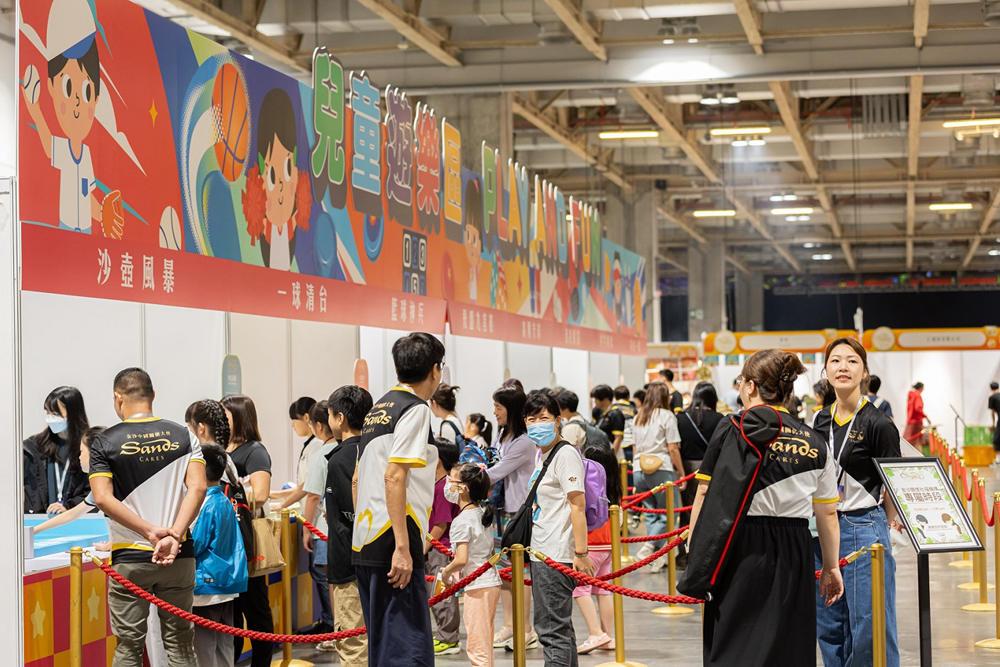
473, 211
73, 83
278, 197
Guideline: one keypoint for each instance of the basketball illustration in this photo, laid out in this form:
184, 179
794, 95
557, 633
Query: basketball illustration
231, 113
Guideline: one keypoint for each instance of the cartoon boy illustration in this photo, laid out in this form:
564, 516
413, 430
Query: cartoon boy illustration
74, 85
473, 211
277, 198
618, 292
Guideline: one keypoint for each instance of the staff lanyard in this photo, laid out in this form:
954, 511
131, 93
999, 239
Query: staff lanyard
838, 460
60, 478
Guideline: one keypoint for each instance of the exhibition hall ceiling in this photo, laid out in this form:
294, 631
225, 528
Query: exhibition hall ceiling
808, 135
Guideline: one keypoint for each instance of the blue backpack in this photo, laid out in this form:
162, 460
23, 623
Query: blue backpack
468, 450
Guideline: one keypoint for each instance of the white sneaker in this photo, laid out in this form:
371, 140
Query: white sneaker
503, 637
658, 564
530, 642
645, 551
593, 643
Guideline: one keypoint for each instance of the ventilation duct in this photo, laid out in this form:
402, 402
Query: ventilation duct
991, 12
883, 115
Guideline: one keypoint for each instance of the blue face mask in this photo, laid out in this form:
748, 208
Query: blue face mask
542, 434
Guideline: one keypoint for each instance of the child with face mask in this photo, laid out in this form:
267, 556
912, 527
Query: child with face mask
468, 487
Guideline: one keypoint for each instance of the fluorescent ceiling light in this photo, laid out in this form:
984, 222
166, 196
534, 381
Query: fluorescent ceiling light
692, 40
739, 131
994, 252
628, 134
711, 101
668, 40
951, 206
804, 210
731, 98
809, 244
715, 213
797, 218
740, 143
757, 142
790, 197
776, 198
822, 257
971, 122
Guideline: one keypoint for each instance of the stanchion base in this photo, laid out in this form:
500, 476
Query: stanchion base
973, 586
628, 560
628, 663
294, 662
979, 606
988, 643
672, 610
961, 564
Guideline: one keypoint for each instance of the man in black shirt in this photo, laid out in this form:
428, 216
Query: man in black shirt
347, 408
994, 405
612, 421
676, 398
153, 466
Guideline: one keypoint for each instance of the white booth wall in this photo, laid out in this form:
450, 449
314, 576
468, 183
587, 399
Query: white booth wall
84, 342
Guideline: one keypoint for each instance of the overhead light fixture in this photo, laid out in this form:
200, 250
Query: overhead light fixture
668, 40
692, 40
609, 135
730, 98
715, 213
797, 218
716, 94
808, 245
739, 131
757, 142
951, 206
790, 197
822, 257
740, 143
971, 122
803, 210
994, 252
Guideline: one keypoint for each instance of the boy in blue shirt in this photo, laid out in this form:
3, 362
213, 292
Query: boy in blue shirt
221, 564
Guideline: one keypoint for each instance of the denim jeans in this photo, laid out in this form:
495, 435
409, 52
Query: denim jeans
656, 524
844, 629
552, 595
317, 569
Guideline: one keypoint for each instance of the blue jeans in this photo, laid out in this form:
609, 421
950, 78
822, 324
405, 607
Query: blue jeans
317, 568
844, 629
656, 524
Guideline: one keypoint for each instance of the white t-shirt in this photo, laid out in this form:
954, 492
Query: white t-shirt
316, 479
552, 529
406, 444
302, 471
573, 432
280, 257
468, 527
76, 184
653, 436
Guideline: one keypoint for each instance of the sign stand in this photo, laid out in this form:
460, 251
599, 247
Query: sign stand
935, 521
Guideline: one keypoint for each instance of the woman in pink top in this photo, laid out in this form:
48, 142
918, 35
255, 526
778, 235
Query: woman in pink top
915, 417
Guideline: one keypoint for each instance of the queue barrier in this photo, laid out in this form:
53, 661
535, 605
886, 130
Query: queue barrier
516, 574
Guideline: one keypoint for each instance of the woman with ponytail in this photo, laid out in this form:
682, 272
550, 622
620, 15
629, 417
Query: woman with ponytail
764, 474
469, 487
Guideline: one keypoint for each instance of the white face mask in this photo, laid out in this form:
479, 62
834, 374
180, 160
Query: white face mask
451, 495
56, 423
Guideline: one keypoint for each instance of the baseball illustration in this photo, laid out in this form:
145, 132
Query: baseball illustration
31, 84
170, 229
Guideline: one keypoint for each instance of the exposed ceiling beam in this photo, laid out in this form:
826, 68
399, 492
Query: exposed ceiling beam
679, 221
921, 17
575, 145
913, 125
750, 19
788, 107
984, 226
874, 239
653, 104
746, 212
243, 31
737, 264
572, 17
432, 40
911, 217
676, 263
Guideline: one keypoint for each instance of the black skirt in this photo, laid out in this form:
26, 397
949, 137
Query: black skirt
762, 610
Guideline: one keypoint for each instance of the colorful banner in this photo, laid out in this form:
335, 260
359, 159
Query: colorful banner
156, 166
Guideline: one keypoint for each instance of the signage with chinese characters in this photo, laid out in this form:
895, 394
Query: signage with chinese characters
197, 177
928, 506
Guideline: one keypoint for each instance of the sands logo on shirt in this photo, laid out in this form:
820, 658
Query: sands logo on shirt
378, 418
795, 446
161, 446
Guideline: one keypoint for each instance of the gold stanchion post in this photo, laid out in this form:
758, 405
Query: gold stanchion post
974, 509
288, 546
980, 569
623, 471
616, 564
517, 598
878, 605
672, 609
994, 642
956, 482
76, 607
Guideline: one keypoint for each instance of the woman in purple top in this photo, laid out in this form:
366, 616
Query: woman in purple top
514, 470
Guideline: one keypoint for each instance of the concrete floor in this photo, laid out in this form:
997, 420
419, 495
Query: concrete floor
659, 640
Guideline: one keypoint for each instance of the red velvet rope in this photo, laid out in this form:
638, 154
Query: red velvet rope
659, 553
632, 501
439, 546
460, 584
654, 510
991, 519
312, 529
653, 538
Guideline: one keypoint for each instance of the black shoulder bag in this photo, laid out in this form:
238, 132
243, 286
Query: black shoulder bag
518, 531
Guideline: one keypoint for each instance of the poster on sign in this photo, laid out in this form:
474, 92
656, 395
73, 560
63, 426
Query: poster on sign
931, 512
157, 166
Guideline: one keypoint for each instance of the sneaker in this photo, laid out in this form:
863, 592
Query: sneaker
445, 648
633, 522
658, 564
593, 643
503, 637
645, 551
328, 646
530, 642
